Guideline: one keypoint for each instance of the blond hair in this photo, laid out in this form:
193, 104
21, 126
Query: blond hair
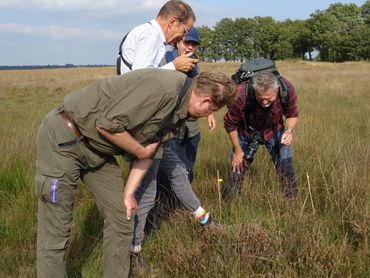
217, 85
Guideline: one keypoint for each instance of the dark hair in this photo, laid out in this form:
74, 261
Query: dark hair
177, 8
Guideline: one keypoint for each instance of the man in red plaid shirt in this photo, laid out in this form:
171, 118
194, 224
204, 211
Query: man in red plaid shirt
266, 119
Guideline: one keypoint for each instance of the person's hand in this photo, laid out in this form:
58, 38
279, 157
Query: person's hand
185, 63
238, 163
148, 151
211, 122
130, 204
287, 137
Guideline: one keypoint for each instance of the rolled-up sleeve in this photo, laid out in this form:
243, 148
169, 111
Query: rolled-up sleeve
291, 110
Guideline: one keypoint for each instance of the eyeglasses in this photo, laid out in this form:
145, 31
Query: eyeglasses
186, 30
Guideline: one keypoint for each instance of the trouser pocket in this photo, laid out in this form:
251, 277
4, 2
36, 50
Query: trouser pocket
48, 188
53, 186
48, 182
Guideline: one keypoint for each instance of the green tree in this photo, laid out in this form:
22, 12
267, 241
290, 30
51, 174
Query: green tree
266, 36
225, 39
339, 33
365, 10
334, 29
208, 47
244, 43
301, 38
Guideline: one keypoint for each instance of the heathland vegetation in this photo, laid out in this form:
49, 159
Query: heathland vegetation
324, 233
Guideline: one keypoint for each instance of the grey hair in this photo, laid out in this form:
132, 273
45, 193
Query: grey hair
177, 8
265, 80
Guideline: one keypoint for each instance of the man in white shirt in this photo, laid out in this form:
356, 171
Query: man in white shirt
144, 46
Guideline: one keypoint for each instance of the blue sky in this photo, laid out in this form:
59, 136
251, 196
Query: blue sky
40, 32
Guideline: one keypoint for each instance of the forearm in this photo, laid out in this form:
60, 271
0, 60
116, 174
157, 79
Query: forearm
238, 161
287, 137
290, 123
125, 141
137, 172
234, 138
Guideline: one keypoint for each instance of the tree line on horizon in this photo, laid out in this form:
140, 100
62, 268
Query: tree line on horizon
339, 33
32, 67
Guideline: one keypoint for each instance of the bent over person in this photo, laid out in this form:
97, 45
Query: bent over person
145, 45
168, 180
132, 115
257, 118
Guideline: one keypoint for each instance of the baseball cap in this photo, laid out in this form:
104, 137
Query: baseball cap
192, 35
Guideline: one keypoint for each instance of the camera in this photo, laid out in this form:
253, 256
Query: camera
254, 139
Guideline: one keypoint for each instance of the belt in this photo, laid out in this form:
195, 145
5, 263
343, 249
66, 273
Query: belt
73, 127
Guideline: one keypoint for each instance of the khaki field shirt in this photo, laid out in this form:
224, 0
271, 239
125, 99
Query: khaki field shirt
141, 102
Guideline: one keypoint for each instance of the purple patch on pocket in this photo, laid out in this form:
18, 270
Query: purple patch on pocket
54, 191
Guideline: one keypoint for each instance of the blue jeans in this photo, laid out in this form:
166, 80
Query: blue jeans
282, 158
174, 172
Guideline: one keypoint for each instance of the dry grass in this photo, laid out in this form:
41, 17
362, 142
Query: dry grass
324, 233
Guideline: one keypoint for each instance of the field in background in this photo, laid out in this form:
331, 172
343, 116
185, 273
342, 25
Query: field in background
324, 233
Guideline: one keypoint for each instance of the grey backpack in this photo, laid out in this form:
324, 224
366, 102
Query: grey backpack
250, 68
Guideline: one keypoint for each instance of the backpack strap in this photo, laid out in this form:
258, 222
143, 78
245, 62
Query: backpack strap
283, 92
120, 53
250, 102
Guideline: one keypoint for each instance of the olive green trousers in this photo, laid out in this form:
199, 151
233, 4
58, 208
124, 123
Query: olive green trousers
61, 162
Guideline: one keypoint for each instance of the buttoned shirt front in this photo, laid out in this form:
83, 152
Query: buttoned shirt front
141, 102
144, 47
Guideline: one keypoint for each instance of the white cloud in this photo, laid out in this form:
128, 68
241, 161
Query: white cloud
59, 33
121, 6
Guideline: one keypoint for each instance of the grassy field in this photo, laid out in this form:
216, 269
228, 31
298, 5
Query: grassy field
324, 233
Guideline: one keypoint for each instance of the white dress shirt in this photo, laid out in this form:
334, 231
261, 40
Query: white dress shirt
144, 47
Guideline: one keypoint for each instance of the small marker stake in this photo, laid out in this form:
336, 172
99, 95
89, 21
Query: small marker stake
219, 190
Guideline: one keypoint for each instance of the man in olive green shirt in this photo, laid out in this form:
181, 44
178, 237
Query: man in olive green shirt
132, 115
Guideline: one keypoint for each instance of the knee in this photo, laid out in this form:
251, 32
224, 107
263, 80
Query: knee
285, 166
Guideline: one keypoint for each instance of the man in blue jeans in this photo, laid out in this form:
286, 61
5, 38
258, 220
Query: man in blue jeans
267, 119
175, 172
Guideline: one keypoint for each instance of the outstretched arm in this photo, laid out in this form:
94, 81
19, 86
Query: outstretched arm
137, 172
238, 162
287, 137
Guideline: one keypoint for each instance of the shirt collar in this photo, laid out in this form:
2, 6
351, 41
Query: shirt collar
158, 27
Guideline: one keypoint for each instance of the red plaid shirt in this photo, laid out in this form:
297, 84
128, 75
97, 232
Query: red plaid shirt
235, 117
